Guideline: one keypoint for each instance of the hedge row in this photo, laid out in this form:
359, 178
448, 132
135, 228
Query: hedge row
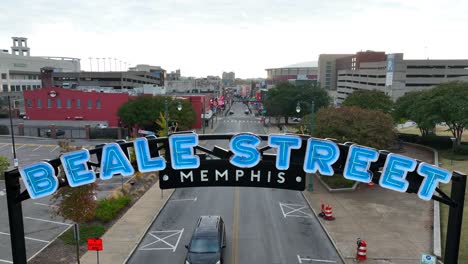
108, 209
437, 142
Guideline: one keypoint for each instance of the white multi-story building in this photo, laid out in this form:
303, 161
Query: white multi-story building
19, 71
397, 76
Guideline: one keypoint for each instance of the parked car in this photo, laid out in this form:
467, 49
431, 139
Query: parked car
208, 241
231, 112
58, 132
246, 111
101, 125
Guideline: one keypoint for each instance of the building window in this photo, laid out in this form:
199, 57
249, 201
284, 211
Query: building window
39, 103
3, 76
78, 103
98, 104
49, 103
17, 88
5, 87
68, 103
90, 104
59, 103
29, 102
28, 87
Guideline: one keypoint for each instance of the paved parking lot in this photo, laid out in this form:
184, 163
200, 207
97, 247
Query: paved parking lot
42, 227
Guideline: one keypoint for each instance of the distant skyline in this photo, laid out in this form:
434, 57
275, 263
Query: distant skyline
207, 37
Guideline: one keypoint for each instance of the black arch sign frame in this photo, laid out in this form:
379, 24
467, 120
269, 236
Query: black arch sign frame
215, 158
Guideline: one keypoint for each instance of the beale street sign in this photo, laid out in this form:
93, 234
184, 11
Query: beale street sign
244, 164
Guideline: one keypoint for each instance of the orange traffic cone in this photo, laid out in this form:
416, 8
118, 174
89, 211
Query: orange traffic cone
322, 212
328, 213
361, 250
371, 185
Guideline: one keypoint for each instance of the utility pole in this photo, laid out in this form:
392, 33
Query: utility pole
90, 64
203, 111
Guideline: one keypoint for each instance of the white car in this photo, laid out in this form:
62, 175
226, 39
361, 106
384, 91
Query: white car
101, 125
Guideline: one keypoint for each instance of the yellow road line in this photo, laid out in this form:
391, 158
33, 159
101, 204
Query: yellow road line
235, 228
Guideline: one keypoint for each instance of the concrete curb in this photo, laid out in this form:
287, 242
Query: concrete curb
148, 227
325, 230
324, 184
437, 245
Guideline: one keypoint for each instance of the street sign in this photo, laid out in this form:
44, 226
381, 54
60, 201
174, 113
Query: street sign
428, 259
95, 244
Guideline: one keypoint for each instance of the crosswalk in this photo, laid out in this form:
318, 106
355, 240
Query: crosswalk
241, 121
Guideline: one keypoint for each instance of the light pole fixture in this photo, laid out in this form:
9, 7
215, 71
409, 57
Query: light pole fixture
310, 185
179, 106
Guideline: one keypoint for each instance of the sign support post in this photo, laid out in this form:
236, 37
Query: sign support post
310, 184
76, 233
455, 219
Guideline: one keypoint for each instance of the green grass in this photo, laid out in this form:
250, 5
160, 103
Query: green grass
86, 231
440, 131
108, 209
459, 165
337, 181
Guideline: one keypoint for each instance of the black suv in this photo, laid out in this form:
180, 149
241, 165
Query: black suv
207, 242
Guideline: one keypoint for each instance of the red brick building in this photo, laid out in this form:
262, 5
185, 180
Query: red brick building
66, 104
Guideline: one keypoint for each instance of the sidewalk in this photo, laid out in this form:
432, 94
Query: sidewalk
123, 237
396, 226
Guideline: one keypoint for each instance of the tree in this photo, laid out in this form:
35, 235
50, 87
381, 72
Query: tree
77, 204
372, 100
143, 111
414, 106
448, 103
283, 98
364, 127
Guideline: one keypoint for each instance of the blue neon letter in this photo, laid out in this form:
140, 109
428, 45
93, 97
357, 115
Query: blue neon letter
284, 144
182, 153
358, 163
394, 172
39, 179
246, 154
114, 162
320, 156
76, 170
143, 157
433, 175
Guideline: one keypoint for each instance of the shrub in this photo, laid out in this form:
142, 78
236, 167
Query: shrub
86, 231
4, 164
4, 115
108, 209
4, 130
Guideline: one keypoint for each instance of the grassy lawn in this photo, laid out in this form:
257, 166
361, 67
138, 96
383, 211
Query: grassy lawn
337, 181
86, 231
460, 165
440, 131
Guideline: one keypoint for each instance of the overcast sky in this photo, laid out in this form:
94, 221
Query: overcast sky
207, 37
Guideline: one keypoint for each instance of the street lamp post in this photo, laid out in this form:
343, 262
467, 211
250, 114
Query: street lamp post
166, 110
310, 185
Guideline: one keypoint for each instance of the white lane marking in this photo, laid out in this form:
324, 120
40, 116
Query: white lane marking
188, 199
21, 147
40, 250
48, 205
37, 148
47, 221
4, 146
56, 147
6, 261
294, 210
30, 238
314, 260
162, 239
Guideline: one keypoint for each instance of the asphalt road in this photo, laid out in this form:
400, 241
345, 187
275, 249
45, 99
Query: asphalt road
262, 225
41, 226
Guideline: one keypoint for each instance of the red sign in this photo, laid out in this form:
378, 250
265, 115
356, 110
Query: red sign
95, 244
